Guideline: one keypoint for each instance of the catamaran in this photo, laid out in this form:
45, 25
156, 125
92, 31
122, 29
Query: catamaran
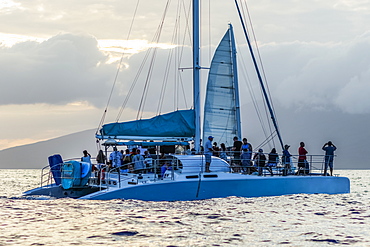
181, 173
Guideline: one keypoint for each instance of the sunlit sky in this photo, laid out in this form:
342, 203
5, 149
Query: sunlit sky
59, 59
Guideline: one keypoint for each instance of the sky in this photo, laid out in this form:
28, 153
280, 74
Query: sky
59, 59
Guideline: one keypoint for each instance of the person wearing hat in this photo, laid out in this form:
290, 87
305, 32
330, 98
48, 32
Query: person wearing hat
286, 160
329, 149
208, 151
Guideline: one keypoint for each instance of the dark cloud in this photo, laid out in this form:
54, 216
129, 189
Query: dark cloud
321, 76
62, 69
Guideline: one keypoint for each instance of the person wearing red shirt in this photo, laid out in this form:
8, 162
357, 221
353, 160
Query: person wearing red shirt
303, 166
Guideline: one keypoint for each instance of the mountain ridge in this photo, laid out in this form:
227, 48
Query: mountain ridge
34, 155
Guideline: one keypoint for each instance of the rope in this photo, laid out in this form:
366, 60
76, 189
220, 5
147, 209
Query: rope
178, 55
118, 69
262, 67
267, 96
151, 66
266, 141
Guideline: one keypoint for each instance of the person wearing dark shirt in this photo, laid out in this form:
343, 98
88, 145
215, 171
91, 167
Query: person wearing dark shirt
260, 160
208, 153
216, 150
286, 160
272, 161
329, 149
237, 148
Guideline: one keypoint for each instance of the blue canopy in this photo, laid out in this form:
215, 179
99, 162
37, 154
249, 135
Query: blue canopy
174, 124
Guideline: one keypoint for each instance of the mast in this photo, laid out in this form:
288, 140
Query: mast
236, 85
260, 78
196, 73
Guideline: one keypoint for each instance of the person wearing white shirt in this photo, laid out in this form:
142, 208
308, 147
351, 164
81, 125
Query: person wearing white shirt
115, 157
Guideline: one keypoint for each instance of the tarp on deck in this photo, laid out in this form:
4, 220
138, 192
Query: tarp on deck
174, 124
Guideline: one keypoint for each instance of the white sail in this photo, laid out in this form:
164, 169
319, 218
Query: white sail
221, 109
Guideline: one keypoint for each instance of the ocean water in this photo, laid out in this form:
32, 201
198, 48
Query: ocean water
292, 220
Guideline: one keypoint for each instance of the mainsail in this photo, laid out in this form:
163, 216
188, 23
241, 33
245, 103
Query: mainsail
221, 108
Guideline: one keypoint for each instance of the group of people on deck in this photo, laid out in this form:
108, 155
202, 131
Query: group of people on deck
126, 161
243, 152
243, 159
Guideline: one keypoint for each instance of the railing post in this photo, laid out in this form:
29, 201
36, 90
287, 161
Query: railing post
119, 177
173, 170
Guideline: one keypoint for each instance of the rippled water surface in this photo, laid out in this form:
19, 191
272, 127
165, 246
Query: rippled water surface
298, 220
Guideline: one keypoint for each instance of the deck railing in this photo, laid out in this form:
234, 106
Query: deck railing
106, 177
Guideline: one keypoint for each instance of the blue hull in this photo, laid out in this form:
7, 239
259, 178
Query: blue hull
246, 187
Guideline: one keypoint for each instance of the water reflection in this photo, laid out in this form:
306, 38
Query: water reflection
293, 219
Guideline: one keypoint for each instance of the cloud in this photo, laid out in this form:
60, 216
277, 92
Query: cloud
105, 20
311, 58
60, 70
320, 75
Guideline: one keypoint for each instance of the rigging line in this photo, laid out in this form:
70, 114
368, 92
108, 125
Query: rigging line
187, 27
260, 61
177, 62
141, 67
259, 55
209, 30
266, 141
259, 75
182, 47
224, 132
253, 96
264, 105
118, 69
164, 85
167, 70
183, 91
151, 66
148, 52
146, 86
175, 95
180, 51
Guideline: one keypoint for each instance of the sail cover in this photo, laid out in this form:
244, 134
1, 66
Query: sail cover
176, 124
221, 109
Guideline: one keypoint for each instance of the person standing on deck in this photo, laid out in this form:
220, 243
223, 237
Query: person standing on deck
272, 161
223, 154
302, 160
246, 145
260, 161
86, 157
115, 158
216, 150
138, 161
286, 160
100, 158
329, 149
246, 161
208, 151
237, 148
